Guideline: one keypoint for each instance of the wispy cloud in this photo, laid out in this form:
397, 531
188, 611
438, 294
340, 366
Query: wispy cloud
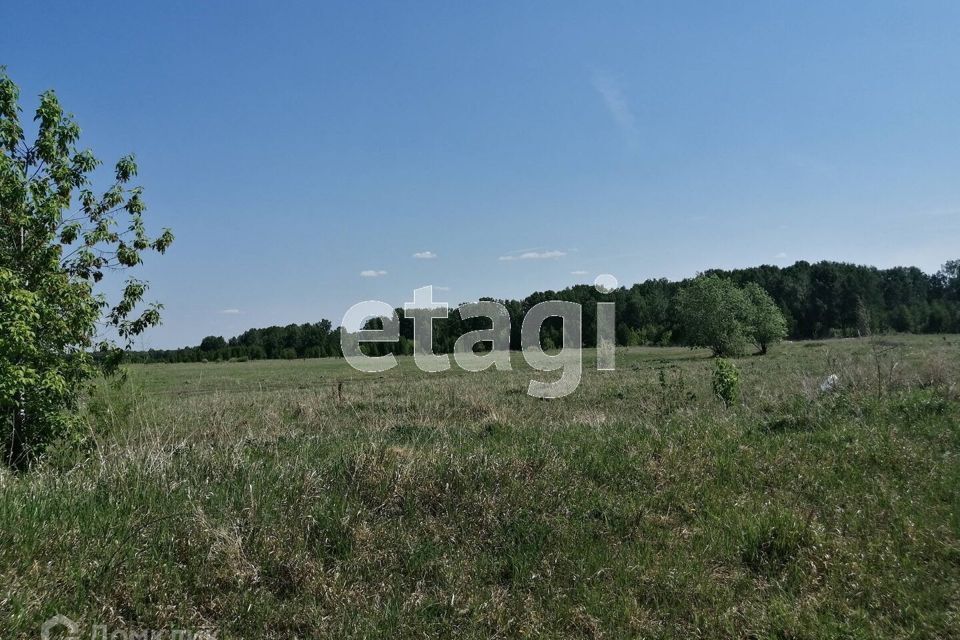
616, 103
534, 255
424, 255
438, 288
579, 272
372, 273
230, 312
781, 255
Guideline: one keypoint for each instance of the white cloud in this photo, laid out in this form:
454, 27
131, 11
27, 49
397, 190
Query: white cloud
425, 255
535, 255
780, 256
372, 273
579, 272
442, 288
231, 312
614, 100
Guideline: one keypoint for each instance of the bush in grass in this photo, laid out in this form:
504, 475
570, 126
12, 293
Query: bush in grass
726, 381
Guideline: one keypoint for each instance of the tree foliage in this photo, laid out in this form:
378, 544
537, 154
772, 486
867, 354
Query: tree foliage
723, 317
58, 239
765, 321
715, 314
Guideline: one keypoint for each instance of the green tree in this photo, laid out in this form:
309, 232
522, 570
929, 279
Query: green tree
950, 278
57, 239
766, 322
715, 313
213, 343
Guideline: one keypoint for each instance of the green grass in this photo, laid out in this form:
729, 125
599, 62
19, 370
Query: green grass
264, 500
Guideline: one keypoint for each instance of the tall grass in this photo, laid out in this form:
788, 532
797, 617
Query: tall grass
262, 501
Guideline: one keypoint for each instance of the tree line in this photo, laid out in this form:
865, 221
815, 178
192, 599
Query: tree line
821, 300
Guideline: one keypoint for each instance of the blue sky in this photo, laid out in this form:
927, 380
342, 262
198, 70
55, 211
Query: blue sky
294, 146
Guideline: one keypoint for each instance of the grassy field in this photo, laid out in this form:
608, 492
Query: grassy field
304, 499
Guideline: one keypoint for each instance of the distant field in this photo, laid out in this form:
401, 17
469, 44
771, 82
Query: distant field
281, 499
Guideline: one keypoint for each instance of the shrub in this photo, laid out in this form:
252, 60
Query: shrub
726, 381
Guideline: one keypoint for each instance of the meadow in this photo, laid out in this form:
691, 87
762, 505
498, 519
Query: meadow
283, 499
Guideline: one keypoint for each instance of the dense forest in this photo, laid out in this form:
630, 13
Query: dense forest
826, 299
